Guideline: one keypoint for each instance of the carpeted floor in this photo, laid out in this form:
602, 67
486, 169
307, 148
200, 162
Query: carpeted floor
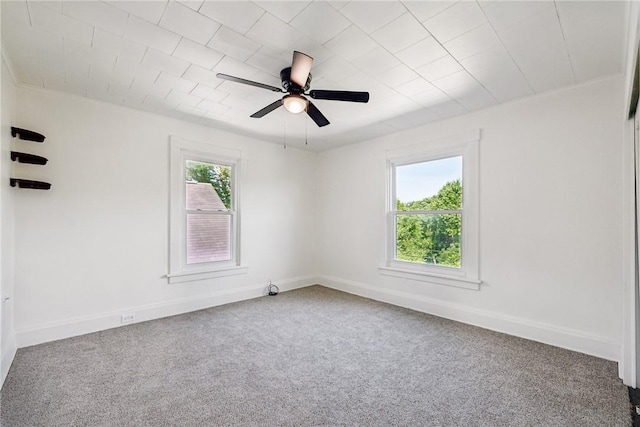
309, 357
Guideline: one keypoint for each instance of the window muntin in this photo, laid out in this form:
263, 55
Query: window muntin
428, 212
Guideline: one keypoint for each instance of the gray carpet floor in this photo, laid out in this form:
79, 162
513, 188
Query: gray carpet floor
309, 357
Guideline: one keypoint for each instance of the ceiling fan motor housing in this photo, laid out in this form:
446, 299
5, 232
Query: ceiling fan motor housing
291, 87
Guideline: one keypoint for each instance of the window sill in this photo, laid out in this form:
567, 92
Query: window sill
191, 276
440, 279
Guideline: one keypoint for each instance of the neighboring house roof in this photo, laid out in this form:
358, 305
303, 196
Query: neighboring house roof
202, 195
208, 236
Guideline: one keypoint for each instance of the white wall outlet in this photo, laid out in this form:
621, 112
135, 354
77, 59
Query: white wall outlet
126, 318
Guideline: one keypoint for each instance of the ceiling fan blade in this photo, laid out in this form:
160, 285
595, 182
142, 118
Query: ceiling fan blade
248, 82
316, 115
300, 68
340, 95
266, 110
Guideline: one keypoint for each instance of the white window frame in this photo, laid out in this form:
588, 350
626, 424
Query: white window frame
182, 150
467, 275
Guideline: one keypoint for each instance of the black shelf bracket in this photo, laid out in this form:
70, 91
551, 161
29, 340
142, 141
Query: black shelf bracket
26, 183
27, 135
28, 158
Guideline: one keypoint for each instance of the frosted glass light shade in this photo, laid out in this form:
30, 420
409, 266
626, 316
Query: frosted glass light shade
295, 103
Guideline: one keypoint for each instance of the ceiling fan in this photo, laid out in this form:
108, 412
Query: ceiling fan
296, 80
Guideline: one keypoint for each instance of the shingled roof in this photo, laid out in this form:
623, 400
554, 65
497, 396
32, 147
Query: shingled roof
208, 236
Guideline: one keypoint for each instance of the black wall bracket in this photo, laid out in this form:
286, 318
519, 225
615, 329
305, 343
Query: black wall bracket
28, 158
26, 183
27, 135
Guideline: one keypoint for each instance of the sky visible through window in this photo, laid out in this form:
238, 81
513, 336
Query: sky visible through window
419, 180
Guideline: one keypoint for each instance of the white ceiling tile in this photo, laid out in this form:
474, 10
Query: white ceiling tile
164, 62
473, 42
593, 33
237, 15
55, 5
424, 10
497, 72
177, 97
422, 53
414, 87
133, 98
213, 107
98, 14
181, 20
272, 32
439, 68
192, 4
452, 81
99, 58
401, 33
441, 104
209, 93
191, 111
235, 68
44, 19
237, 89
505, 15
118, 46
283, 10
351, 43
318, 52
538, 49
202, 75
414, 118
460, 18
335, 69
15, 20
151, 35
320, 21
125, 71
97, 90
76, 69
397, 76
234, 44
376, 62
148, 10
197, 54
182, 85
472, 97
270, 61
150, 88
371, 15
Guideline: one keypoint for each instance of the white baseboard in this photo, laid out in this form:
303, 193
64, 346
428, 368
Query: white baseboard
6, 360
535, 331
100, 322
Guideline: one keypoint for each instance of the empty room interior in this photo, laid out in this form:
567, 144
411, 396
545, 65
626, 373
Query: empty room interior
311, 213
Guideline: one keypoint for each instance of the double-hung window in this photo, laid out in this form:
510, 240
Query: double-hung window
204, 218
432, 213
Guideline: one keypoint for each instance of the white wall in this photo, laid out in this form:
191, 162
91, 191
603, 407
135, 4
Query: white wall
7, 335
96, 245
550, 220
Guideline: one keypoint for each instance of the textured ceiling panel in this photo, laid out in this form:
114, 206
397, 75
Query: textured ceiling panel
420, 61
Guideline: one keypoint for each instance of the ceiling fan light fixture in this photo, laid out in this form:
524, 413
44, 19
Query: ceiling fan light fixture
295, 103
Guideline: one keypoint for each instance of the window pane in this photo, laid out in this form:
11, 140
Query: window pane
429, 239
208, 238
431, 185
208, 186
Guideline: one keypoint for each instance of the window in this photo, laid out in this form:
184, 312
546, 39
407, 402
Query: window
432, 219
205, 224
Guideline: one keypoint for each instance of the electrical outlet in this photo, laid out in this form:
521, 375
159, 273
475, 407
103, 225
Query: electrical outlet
126, 318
